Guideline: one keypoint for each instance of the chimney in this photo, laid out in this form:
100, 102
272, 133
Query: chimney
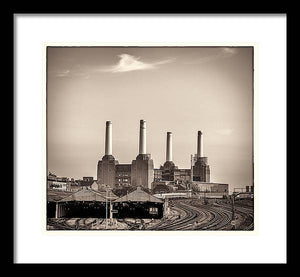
108, 138
199, 145
169, 154
142, 146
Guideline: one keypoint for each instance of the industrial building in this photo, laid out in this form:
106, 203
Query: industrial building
210, 190
83, 203
139, 173
139, 204
58, 183
87, 203
89, 197
169, 172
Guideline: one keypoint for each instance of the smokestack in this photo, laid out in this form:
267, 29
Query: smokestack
108, 138
142, 146
199, 145
169, 155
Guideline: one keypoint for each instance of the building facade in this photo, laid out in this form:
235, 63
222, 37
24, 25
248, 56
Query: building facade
139, 173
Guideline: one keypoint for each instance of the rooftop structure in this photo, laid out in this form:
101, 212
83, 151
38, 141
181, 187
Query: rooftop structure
138, 196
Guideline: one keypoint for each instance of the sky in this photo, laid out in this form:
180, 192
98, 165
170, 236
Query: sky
175, 89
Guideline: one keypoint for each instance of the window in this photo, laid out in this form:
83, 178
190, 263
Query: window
153, 210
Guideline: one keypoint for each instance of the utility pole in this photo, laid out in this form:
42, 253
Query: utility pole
233, 222
105, 207
106, 203
192, 169
110, 209
233, 207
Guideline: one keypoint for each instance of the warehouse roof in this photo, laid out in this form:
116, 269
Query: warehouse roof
56, 195
138, 196
84, 195
110, 195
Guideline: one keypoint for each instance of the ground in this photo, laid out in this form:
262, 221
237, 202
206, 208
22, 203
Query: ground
183, 214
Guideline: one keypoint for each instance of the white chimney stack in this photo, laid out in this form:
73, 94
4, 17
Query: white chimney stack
108, 138
142, 146
169, 154
199, 145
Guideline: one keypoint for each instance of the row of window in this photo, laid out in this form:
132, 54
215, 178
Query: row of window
123, 180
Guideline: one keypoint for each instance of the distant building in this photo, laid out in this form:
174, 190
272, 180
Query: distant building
141, 171
88, 179
86, 182
210, 190
201, 170
58, 183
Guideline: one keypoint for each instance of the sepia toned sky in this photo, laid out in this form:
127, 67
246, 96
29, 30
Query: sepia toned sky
176, 89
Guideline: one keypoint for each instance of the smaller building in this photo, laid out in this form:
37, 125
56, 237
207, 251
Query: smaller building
53, 196
88, 179
95, 186
158, 175
138, 204
58, 183
83, 203
160, 187
210, 190
86, 182
123, 175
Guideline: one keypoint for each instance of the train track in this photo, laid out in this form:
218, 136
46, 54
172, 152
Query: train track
221, 218
196, 216
59, 224
190, 217
64, 224
193, 215
247, 212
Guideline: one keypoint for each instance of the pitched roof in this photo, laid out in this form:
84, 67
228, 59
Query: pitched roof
56, 195
138, 196
84, 195
110, 195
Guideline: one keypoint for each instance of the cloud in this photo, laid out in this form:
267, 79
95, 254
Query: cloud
125, 64
75, 72
221, 53
62, 73
131, 63
228, 52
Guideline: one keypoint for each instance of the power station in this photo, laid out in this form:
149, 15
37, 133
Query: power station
141, 171
140, 191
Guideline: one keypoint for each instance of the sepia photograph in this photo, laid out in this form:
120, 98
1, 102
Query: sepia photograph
142, 132
150, 138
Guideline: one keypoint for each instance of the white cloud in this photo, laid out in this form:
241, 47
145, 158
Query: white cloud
228, 52
221, 53
131, 63
70, 73
62, 73
125, 64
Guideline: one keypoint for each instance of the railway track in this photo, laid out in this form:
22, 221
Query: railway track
220, 218
196, 216
64, 224
193, 215
191, 218
247, 212
59, 224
